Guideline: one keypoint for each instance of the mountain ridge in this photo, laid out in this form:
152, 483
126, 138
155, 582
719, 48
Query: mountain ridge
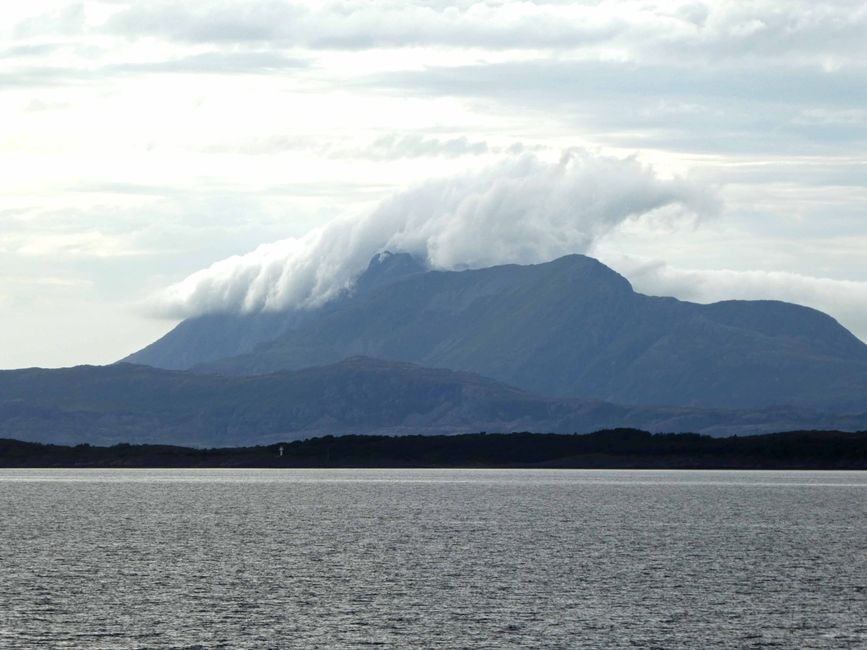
140, 404
573, 327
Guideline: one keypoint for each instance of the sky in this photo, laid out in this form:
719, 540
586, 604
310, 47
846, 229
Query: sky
162, 160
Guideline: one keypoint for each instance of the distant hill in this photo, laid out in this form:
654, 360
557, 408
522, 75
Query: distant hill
568, 328
140, 404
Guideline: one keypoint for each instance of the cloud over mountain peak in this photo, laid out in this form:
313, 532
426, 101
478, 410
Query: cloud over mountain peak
520, 210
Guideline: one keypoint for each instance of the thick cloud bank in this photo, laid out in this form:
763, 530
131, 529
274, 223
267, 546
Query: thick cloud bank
521, 210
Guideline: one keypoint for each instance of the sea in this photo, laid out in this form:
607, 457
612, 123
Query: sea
376, 558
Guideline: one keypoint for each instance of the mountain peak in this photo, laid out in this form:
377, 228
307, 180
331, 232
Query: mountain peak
592, 272
387, 267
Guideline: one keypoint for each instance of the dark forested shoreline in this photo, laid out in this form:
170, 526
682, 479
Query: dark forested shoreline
613, 448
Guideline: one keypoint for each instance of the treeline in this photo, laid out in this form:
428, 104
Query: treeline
613, 448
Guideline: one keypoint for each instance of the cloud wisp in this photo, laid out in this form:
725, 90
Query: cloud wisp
521, 210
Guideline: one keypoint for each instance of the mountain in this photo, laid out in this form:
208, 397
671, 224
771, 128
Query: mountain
211, 337
140, 404
568, 328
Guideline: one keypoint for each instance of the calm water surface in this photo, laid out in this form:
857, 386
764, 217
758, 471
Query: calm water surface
432, 559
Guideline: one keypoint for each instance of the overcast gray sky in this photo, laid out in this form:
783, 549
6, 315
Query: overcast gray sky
162, 159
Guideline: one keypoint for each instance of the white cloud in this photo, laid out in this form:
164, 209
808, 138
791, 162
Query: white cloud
416, 145
520, 210
828, 33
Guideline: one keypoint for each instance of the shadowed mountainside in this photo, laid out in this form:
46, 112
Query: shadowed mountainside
217, 336
137, 404
569, 328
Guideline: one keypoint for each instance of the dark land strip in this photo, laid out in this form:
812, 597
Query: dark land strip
608, 449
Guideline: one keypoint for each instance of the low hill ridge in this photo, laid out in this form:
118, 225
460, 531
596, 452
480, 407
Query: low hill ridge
359, 395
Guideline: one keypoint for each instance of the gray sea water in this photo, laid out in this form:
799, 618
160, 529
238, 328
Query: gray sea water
432, 559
